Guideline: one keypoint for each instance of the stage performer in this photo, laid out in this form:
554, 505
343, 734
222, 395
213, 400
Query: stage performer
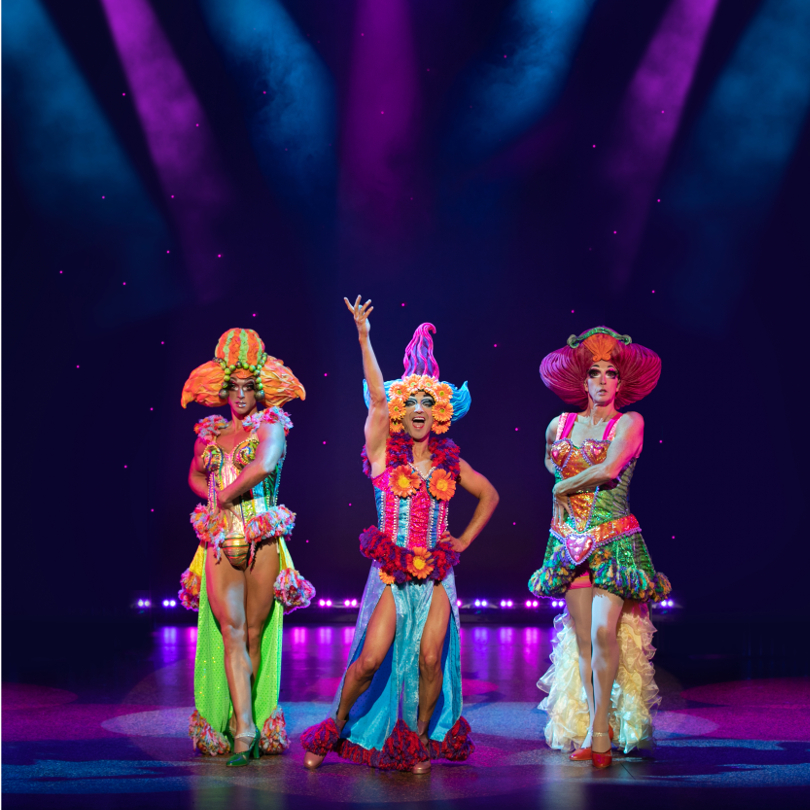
601, 680
242, 567
406, 643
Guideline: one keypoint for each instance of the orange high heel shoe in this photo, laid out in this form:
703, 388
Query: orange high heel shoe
601, 759
584, 754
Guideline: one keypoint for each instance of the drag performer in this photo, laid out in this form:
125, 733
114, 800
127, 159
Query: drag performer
399, 703
242, 567
601, 679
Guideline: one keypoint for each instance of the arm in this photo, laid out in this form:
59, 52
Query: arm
625, 446
197, 479
488, 498
551, 435
268, 452
376, 428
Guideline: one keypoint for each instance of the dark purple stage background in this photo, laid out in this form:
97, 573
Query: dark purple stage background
460, 163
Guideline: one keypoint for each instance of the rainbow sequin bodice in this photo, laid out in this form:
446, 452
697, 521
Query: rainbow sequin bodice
418, 520
225, 467
610, 501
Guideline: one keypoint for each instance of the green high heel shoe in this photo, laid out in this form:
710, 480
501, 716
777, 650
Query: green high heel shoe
243, 757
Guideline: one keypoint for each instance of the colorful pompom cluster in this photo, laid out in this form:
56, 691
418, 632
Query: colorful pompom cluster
270, 415
321, 739
399, 565
456, 745
292, 591
274, 739
442, 409
209, 428
189, 593
208, 526
205, 739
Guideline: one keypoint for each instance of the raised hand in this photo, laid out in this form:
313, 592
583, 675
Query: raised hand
360, 313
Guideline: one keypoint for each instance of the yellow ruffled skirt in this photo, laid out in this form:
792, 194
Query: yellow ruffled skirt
634, 697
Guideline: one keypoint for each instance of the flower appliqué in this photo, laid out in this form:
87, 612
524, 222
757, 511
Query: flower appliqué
403, 481
442, 485
419, 566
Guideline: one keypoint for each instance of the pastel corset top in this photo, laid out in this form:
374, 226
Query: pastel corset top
609, 501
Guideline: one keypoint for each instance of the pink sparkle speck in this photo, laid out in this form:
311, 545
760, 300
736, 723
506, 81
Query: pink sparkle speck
324, 442
123, 94
660, 441
125, 284
77, 366
219, 255
614, 233
196, 125
659, 199
60, 272
517, 428
572, 311
103, 197
168, 251
326, 374
494, 345
254, 314
513, 523
172, 196
161, 343
125, 466
151, 409
402, 304
653, 292
594, 146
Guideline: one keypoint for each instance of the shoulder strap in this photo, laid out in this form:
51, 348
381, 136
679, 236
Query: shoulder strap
610, 428
565, 425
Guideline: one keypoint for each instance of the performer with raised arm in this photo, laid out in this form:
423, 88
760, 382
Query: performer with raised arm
406, 642
242, 567
596, 558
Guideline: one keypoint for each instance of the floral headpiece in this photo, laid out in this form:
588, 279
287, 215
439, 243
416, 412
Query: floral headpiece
422, 374
240, 353
565, 370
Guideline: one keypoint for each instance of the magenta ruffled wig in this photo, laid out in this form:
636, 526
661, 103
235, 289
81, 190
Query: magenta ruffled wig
419, 357
565, 370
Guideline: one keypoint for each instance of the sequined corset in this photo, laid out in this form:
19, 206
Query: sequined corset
225, 467
419, 520
611, 500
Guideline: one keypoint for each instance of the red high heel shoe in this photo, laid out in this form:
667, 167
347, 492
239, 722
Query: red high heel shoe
601, 759
584, 754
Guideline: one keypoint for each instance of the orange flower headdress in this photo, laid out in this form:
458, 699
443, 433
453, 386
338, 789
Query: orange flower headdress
422, 374
565, 370
240, 353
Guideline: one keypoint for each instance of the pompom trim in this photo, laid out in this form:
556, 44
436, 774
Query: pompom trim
205, 739
274, 739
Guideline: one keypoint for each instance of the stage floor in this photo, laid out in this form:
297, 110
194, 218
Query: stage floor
113, 734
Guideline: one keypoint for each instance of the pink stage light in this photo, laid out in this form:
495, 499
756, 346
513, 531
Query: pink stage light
183, 152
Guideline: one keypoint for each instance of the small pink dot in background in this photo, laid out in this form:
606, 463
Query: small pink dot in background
219, 255
517, 428
382, 112
196, 125
254, 314
349, 504
594, 146
504, 56
402, 304
77, 366
168, 251
125, 466
324, 442
103, 197
326, 374
123, 94
151, 409
653, 292
659, 199
673, 536
513, 523
306, 541
572, 311
614, 232
60, 272
151, 510
264, 92
660, 441
494, 345
161, 342
172, 196
125, 284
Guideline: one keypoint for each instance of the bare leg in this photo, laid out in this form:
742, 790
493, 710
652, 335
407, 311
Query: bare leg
580, 606
226, 595
260, 597
430, 658
607, 608
379, 636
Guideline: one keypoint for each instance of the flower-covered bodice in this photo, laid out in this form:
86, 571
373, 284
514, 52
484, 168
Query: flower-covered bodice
609, 501
412, 508
222, 468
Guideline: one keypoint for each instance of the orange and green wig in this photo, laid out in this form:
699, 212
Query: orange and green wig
240, 353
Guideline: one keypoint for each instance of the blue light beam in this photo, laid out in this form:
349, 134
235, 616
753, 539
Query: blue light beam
729, 173
72, 168
521, 77
288, 96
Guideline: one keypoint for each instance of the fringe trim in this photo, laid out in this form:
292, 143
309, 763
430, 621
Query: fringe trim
456, 745
205, 739
634, 697
401, 751
322, 738
274, 739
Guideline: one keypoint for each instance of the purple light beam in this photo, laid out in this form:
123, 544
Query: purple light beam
638, 148
378, 176
178, 135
